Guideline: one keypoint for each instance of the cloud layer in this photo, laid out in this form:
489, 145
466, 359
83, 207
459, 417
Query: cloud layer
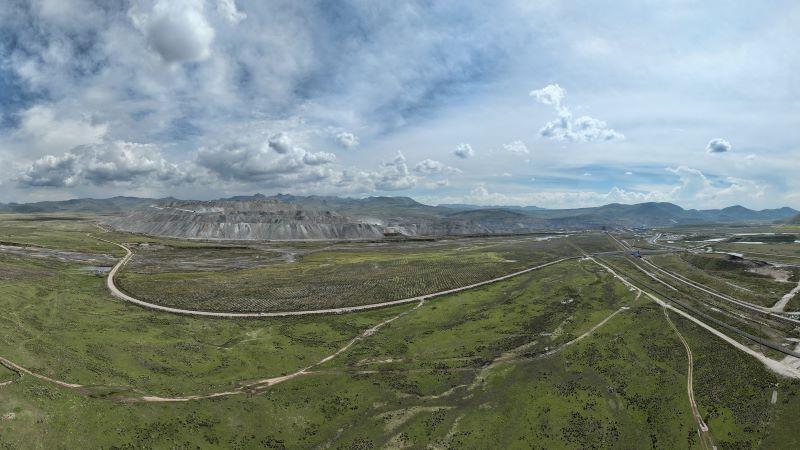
201, 98
103, 164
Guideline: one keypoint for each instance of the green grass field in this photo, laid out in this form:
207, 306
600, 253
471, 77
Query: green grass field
53, 231
493, 367
346, 275
623, 384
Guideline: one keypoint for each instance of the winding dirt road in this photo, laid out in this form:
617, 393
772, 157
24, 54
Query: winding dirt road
347, 309
249, 388
19, 370
259, 385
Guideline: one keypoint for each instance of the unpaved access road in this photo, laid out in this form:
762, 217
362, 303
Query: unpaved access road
261, 385
19, 370
702, 287
780, 306
347, 309
249, 388
778, 367
706, 440
513, 355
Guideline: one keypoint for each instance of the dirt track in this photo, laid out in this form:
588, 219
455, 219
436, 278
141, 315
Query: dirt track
261, 385
16, 368
776, 366
780, 306
123, 296
706, 440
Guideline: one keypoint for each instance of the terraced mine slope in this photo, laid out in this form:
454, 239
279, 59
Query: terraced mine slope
271, 219
284, 216
261, 219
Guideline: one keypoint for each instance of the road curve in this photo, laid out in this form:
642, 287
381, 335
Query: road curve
347, 309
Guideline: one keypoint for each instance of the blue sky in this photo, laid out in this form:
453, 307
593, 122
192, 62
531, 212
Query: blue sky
554, 104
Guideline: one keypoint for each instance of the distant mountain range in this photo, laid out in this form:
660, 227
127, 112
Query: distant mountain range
466, 207
323, 217
80, 205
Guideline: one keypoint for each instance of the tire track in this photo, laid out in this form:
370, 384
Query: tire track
706, 440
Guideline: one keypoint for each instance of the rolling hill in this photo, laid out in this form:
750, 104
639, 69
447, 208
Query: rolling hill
794, 220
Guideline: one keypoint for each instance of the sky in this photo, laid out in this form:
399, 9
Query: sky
547, 103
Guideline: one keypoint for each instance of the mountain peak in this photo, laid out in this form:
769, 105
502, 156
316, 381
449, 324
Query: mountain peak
736, 208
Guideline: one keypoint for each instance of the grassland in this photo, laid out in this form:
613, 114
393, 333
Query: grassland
493, 367
53, 231
62, 322
6, 375
737, 392
346, 274
128, 349
261, 277
623, 384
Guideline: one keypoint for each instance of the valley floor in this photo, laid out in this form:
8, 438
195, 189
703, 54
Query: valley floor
575, 354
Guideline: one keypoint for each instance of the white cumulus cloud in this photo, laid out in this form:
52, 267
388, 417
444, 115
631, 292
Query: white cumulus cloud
43, 130
430, 166
395, 175
102, 164
718, 145
179, 32
51, 171
464, 151
552, 94
253, 162
565, 127
346, 139
516, 147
